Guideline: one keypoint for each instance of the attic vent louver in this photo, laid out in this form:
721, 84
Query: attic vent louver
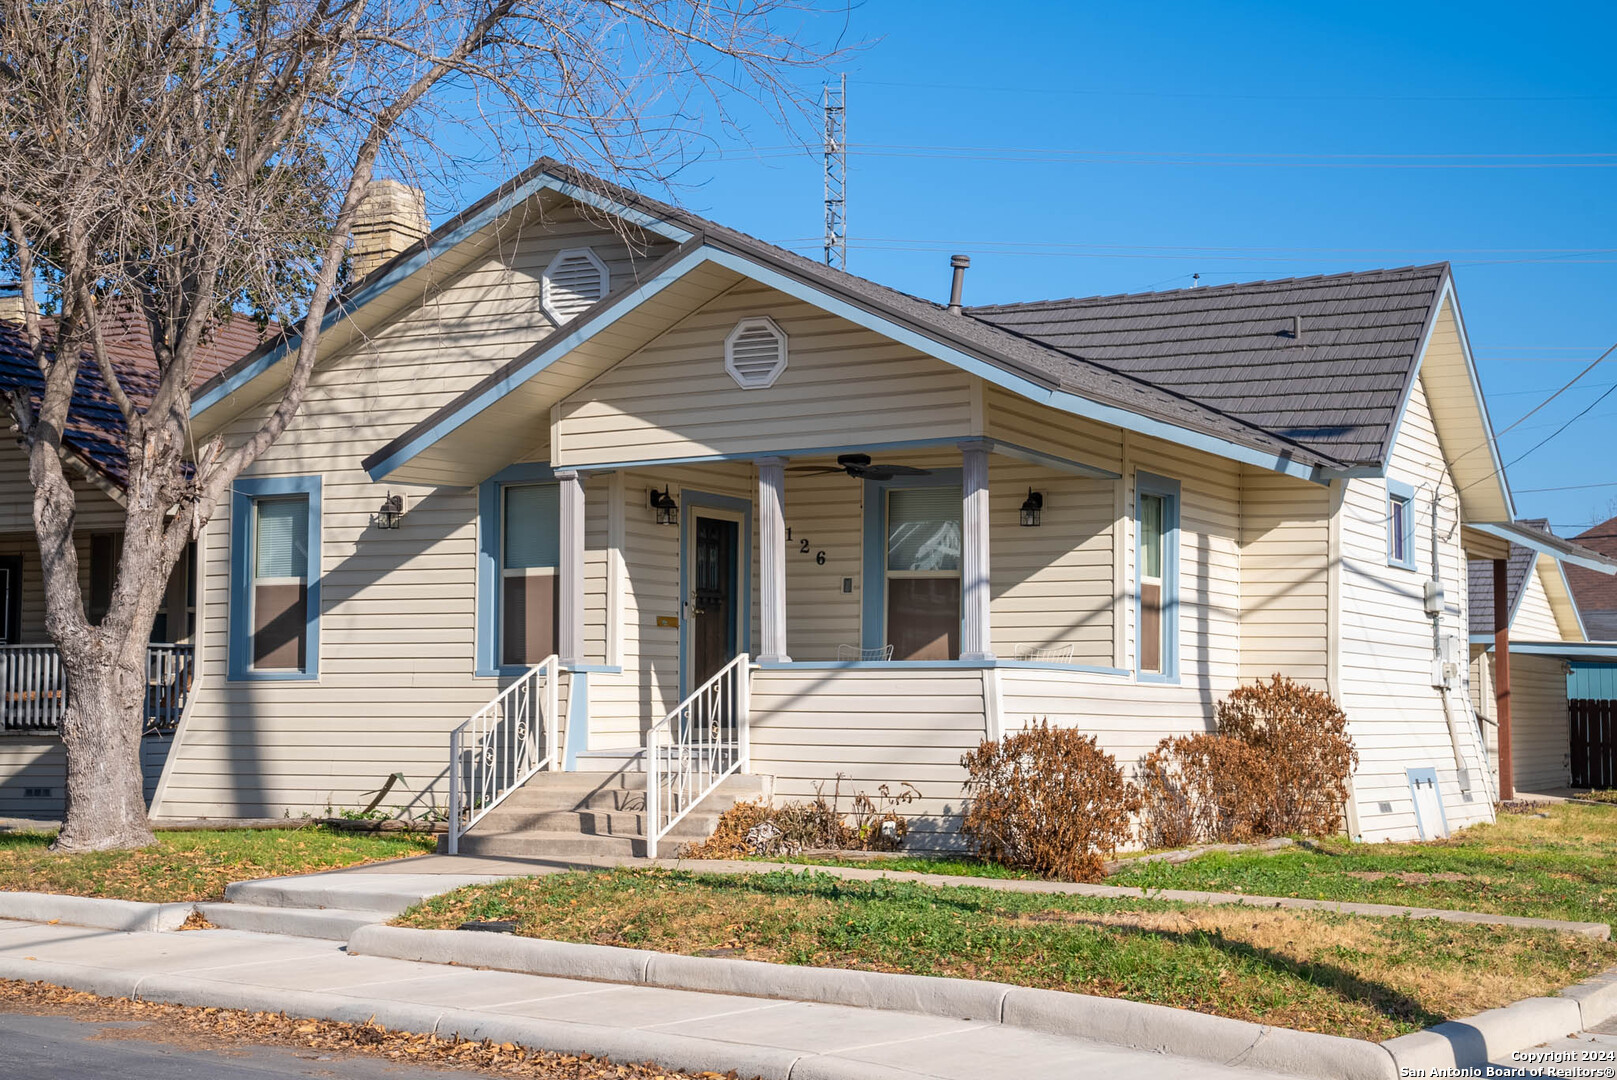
573, 281
755, 353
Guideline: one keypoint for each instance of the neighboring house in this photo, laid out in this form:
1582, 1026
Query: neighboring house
1596, 593
32, 684
574, 422
1544, 624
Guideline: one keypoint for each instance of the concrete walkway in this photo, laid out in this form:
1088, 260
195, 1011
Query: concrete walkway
781, 1040
423, 867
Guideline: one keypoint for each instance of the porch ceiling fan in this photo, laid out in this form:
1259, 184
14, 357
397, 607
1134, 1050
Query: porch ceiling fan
860, 467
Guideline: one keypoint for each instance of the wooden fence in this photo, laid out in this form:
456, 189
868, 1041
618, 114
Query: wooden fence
1594, 743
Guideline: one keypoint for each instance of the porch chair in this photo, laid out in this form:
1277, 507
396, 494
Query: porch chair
1052, 654
854, 652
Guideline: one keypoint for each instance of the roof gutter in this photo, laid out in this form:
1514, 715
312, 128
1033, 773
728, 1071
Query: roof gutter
1547, 544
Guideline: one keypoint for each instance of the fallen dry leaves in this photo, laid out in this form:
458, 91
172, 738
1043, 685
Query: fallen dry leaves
211, 1028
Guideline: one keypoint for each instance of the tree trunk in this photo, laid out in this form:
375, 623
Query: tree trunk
106, 800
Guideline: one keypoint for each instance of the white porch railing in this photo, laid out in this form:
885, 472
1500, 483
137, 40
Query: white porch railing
502, 746
33, 686
692, 749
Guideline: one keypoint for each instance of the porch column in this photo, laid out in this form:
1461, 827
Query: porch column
1501, 673
975, 636
570, 570
772, 560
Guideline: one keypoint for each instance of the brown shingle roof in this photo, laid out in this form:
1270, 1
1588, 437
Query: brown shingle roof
1336, 388
1596, 594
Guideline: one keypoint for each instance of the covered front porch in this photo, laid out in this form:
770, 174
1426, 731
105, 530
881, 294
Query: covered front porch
33, 683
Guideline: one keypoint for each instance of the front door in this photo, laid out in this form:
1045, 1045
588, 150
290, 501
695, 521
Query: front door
712, 603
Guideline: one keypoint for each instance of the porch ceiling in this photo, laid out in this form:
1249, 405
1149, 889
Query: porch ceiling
516, 416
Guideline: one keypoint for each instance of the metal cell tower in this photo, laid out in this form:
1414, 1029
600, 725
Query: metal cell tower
836, 173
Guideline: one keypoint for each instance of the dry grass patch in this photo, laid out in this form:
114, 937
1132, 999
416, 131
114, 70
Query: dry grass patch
1317, 971
194, 865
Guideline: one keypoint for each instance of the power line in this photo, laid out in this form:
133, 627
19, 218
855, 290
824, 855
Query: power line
1561, 391
1087, 92
1568, 487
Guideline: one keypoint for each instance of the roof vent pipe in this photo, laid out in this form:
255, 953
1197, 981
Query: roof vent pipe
1296, 328
960, 263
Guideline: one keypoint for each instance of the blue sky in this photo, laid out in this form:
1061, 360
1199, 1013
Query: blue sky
1241, 141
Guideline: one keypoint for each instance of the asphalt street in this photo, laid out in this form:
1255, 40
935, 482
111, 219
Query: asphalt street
59, 1048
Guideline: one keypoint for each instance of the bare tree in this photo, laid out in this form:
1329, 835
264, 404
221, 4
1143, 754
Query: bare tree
189, 160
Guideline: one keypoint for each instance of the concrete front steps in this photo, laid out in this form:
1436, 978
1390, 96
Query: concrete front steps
594, 814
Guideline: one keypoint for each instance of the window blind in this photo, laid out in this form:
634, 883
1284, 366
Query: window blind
281, 544
923, 529
532, 526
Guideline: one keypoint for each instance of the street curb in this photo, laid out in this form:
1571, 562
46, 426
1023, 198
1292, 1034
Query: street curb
1109, 1020
94, 912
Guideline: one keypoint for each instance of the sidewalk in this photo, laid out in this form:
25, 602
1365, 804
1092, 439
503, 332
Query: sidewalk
788, 1040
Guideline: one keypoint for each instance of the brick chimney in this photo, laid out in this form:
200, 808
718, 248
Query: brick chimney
11, 305
391, 218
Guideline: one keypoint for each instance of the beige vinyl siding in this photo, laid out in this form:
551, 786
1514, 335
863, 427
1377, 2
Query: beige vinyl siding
398, 619
827, 511
1534, 619
843, 386
1285, 548
874, 727
1541, 737
1395, 716
1051, 586
1016, 420
94, 509
37, 761
1128, 719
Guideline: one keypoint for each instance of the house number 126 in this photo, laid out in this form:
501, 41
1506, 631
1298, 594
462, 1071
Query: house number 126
803, 547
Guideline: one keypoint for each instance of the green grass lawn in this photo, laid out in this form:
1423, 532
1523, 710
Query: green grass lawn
1370, 978
1560, 867
193, 865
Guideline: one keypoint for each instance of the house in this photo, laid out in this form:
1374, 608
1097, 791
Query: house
32, 768
594, 500
1545, 631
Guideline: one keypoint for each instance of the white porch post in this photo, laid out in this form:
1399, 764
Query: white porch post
772, 559
570, 571
976, 638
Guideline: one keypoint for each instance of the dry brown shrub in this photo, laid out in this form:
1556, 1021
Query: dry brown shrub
1047, 799
1303, 735
873, 824
1201, 788
1278, 766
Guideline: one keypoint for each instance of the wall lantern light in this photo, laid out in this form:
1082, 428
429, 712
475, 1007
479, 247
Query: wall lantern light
391, 513
1032, 507
667, 509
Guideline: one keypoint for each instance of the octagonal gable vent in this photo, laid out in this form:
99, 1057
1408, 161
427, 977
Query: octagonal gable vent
755, 353
573, 281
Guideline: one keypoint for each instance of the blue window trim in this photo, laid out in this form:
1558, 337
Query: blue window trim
1430, 775
243, 494
690, 499
1168, 490
488, 563
873, 609
1405, 493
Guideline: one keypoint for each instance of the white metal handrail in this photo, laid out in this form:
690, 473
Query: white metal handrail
502, 746
690, 751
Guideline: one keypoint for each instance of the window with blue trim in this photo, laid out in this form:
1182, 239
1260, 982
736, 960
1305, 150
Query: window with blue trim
275, 578
530, 549
1400, 525
518, 556
1156, 577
